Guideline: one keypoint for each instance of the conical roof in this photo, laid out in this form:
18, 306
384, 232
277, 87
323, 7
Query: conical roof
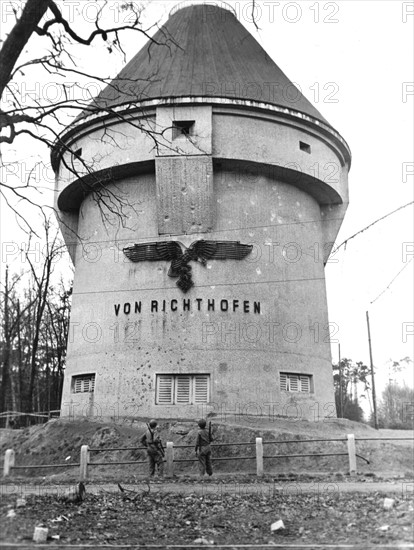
203, 50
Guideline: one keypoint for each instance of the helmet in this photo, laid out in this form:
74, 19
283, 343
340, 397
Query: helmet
153, 423
202, 423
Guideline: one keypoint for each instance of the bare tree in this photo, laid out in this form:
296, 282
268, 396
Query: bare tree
347, 377
42, 281
39, 119
35, 308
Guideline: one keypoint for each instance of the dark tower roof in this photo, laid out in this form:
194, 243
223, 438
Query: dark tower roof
204, 51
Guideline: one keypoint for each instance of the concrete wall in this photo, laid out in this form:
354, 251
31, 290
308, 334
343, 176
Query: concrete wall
130, 322
242, 352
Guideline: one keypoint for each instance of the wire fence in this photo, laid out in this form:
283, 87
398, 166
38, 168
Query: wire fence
17, 419
174, 452
259, 457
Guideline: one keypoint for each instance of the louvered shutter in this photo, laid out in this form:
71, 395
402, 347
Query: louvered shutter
182, 389
283, 381
201, 389
78, 385
305, 384
293, 382
164, 390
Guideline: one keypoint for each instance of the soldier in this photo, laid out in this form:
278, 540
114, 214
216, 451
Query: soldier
155, 451
203, 449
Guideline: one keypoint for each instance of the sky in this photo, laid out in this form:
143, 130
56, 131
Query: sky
354, 61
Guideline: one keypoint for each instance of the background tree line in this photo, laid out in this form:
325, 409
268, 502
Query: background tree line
395, 406
35, 308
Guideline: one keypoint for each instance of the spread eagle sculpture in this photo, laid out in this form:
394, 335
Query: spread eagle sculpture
198, 251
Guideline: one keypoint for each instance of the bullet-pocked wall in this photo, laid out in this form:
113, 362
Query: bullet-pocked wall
266, 186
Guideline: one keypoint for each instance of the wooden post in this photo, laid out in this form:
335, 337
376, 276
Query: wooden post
84, 461
8, 462
352, 455
259, 456
169, 455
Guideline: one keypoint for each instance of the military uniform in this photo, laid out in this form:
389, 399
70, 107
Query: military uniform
152, 441
204, 452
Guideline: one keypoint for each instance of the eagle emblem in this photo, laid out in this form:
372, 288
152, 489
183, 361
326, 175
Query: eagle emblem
198, 251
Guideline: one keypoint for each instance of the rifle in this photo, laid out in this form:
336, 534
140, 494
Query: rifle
209, 432
158, 443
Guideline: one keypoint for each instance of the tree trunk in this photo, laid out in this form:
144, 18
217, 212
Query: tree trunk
16, 41
7, 347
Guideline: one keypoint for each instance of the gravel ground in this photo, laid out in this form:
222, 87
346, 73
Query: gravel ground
197, 514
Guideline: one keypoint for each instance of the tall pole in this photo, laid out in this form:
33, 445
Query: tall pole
341, 401
374, 399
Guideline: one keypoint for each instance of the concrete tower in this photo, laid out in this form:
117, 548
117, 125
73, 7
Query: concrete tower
206, 195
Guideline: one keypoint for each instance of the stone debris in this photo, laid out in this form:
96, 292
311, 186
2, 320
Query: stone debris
389, 503
40, 534
59, 518
21, 503
384, 528
202, 540
277, 525
11, 514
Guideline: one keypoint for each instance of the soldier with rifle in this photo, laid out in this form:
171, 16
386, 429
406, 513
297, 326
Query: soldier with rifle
203, 448
155, 450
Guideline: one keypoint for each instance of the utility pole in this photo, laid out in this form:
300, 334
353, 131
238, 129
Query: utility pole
341, 403
374, 399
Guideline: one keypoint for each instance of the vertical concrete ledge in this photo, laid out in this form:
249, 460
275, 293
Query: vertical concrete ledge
352, 455
9, 458
169, 455
259, 456
84, 461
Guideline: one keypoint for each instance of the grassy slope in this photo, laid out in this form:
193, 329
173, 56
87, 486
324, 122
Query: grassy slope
54, 442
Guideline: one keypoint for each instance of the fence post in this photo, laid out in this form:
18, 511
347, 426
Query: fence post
84, 460
8, 462
170, 459
352, 455
259, 456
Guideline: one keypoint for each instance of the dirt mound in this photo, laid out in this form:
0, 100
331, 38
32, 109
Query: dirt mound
59, 442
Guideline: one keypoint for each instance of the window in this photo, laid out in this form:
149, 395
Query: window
182, 128
182, 389
296, 382
83, 384
305, 147
76, 160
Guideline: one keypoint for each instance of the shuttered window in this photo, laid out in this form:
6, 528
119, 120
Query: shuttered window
201, 388
180, 389
84, 383
305, 384
164, 389
295, 382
